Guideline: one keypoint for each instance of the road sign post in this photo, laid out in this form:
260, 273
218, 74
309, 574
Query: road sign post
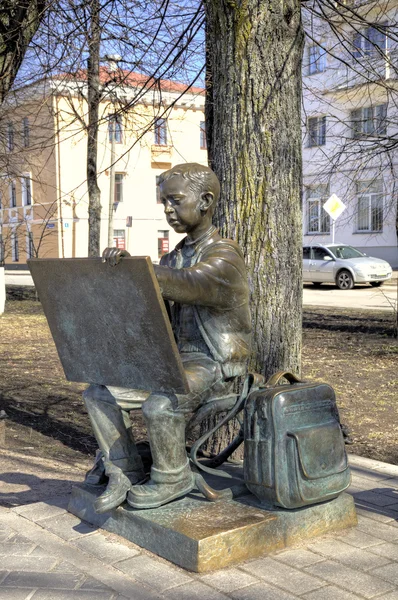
334, 207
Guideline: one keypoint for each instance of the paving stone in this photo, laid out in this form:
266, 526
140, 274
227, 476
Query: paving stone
17, 549
283, 576
93, 584
381, 530
359, 539
5, 533
298, 558
105, 549
261, 591
67, 527
66, 567
19, 539
390, 596
330, 593
194, 590
371, 497
39, 510
35, 579
39, 551
374, 476
350, 556
380, 517
363, 483
352, 580
228, 580
389, 572
28, 563
14, 594
72, 595
154, 573
388, 550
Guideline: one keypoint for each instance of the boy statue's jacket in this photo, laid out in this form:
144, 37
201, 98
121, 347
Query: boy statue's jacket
215, 284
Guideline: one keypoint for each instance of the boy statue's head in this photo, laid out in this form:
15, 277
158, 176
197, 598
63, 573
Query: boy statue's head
189, 193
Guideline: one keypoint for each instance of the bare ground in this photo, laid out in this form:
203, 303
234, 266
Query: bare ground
46, 421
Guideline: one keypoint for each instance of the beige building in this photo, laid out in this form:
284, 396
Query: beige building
145, 128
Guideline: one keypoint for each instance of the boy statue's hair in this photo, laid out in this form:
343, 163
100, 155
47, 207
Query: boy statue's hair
201, 178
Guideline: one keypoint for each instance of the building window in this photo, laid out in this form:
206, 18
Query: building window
119, 178
316, 60
119, 238
26, 190
370, 41
318, 220
316, 127
158, 199
13, 194
10, 137
25, 132
115, 128
30, 249
203, 140
370, 205
163, 242
161, 132
370, 120
14, 247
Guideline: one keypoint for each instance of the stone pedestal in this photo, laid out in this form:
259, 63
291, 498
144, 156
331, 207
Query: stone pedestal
200, 536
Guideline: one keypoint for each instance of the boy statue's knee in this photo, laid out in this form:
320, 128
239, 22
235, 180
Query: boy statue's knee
155, 405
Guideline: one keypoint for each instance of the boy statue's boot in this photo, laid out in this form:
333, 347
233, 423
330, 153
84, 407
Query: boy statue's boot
171, 476
112, 429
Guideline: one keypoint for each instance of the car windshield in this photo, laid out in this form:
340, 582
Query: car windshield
345, 252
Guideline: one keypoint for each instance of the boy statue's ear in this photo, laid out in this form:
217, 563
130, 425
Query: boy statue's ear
206, 200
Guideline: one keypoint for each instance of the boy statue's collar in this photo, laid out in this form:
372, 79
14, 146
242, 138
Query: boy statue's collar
200, 240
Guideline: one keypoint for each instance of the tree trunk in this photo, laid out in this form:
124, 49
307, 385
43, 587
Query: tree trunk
254, 53
93, 99
253, 123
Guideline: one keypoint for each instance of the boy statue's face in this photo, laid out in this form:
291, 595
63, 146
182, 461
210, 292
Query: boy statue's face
183, 206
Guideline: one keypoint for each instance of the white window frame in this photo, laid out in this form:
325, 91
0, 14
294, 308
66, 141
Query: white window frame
119, 185
14, 247
370, 206
316, 56
370, 41
30, 248
369, 121
12, 191
115, 128
316, 196
316, 129
26, 189
160, 132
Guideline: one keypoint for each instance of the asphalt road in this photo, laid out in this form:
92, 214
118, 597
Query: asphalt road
363, 296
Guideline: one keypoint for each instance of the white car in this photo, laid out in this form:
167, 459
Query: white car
343, 265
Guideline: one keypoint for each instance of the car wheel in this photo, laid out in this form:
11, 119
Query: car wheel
344, 280
317, 283
376, 283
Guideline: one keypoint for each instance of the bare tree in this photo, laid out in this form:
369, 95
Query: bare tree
19, 21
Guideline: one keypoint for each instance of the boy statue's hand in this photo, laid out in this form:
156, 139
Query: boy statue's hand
113, 256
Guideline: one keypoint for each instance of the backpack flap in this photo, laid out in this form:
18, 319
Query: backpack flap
321, 450
321, 461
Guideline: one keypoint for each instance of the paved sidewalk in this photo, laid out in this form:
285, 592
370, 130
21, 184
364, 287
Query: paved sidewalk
48, 554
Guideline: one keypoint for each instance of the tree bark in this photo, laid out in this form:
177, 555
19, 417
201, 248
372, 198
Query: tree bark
93, 99
254, 53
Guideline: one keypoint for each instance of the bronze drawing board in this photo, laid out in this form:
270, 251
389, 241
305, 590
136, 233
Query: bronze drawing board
109, 324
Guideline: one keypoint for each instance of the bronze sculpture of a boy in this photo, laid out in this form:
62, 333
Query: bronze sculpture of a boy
204, 282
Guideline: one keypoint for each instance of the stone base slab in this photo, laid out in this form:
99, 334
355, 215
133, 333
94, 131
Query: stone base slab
201, 536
